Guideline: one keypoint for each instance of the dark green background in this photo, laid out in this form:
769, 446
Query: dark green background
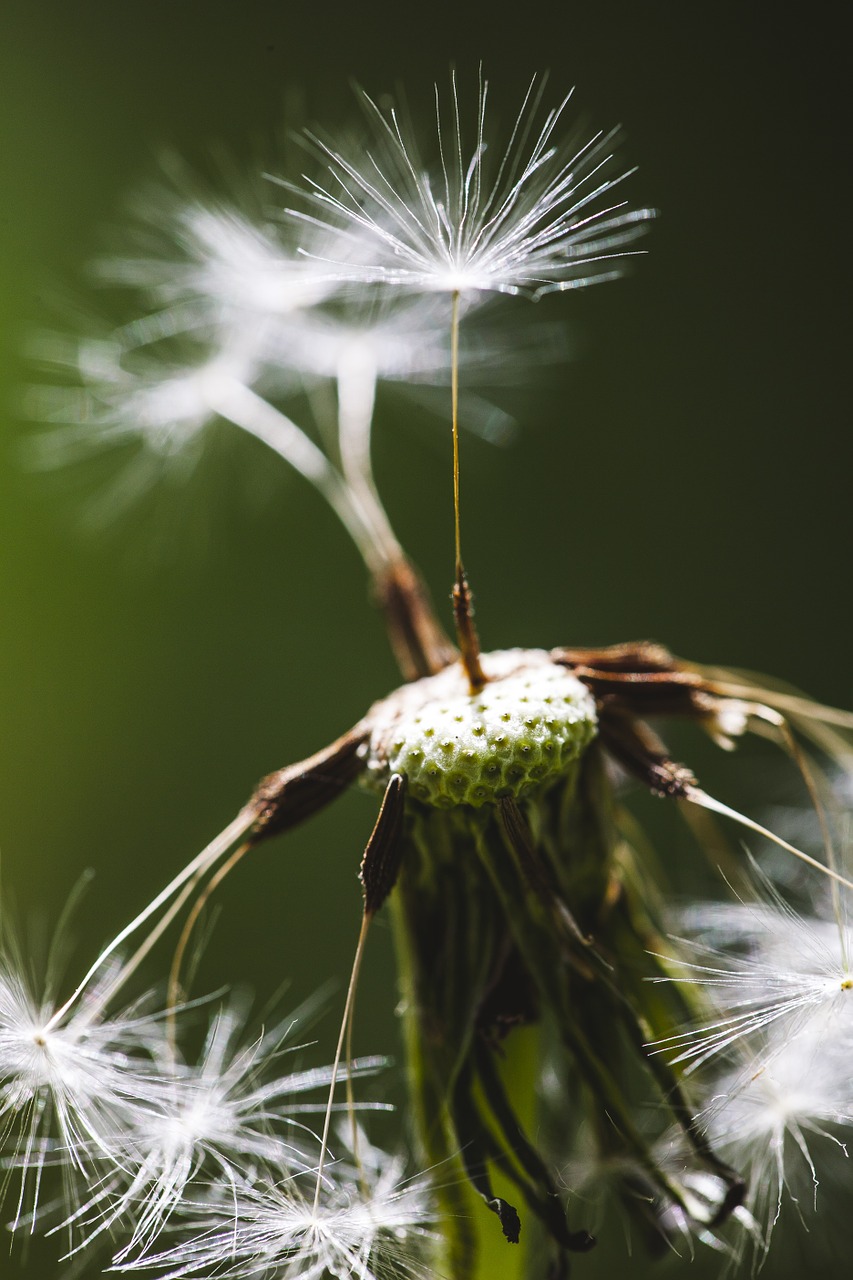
686, 477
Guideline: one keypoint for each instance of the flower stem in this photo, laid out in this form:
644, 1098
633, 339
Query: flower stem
463, 612
454, 409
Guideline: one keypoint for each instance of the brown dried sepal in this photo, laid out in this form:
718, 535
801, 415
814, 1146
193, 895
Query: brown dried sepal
641, 753
643, 678
287, 797
631, 656
466, 631
380, 865
418, 640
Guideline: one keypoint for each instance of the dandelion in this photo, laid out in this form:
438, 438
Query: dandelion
486, 873
520, 895
540, 222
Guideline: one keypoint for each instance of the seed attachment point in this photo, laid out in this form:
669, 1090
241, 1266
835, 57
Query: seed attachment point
466, 631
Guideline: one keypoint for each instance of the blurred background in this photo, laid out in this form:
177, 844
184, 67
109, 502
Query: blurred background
685, 476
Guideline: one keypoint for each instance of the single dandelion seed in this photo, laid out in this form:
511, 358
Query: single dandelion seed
540, 219
772, 975
68, 1087
216, 349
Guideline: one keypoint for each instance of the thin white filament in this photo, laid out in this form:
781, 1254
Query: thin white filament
357, 375
200, 863
345, 1021
696, 796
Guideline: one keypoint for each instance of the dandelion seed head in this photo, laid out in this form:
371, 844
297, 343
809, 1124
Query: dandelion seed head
69, 1085
366, 1223
139, 395
240, 268
542, 218
530, 722
773, 1059
770, 973
80, 1059
203, 263
35, 1059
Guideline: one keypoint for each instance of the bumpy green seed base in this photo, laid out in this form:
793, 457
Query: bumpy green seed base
526, 726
